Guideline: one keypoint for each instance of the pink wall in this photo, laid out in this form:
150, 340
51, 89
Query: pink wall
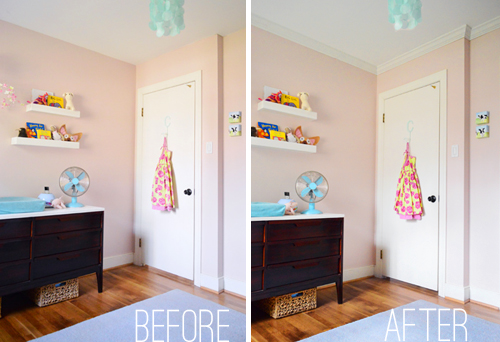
485, 165
452, 57
344, 98
104, 91
234, 157
203, 55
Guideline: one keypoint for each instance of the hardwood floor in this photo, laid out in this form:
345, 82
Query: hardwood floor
362, 299
23, 321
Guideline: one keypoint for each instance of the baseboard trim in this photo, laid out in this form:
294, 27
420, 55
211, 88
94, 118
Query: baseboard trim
235, 286
457, 293
118, 260
358, 273
485, 297
235, 294
212, 283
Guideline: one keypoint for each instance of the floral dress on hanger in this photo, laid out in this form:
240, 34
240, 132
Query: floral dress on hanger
162, 196
408, 195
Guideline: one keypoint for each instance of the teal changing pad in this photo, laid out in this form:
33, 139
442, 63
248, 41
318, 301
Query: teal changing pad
18, 205
264, 209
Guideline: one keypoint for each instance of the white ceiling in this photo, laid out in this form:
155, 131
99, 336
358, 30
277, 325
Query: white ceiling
361, 28
119, 28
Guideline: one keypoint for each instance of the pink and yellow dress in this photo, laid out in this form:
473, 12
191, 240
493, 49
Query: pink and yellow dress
162, 196
408, 195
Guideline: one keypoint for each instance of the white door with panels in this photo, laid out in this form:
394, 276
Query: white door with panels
409, 248
168, 237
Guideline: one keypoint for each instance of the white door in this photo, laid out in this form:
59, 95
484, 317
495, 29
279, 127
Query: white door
168, 236
410, 247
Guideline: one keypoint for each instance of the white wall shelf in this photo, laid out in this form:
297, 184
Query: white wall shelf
283, 145
266, 106
44, 143
52, 110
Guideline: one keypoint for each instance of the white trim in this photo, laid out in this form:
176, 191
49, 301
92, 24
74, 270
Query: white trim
486, 27
358, 273
192, 77
235, 286
277, 108
32, 107
440, 77
445, 39
118, 260
44, 143
457, 292
298, 38
282, 145
212, 283
485, 296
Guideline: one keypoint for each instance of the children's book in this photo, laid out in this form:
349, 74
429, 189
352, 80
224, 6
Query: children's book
266, 127
289, 100
276, 135
55, 101
43, 134
32, 129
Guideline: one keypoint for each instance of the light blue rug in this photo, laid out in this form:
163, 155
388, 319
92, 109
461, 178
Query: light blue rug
189, 318
376, 328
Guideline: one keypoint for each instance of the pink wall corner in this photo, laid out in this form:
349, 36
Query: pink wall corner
453, 58
344, 98
234, 157
104, 91
202, 55
485, 164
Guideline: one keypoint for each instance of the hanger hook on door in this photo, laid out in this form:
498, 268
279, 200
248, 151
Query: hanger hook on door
167, 119
409, 130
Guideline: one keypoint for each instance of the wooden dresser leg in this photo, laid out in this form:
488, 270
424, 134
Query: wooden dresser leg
339, 292
99, 281
0, 307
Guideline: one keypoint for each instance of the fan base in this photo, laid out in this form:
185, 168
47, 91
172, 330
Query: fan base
312, 210
74, 204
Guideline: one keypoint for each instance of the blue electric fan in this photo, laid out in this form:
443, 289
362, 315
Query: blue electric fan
311, 187
74, 182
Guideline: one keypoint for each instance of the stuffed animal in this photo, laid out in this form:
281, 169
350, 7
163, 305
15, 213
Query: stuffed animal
304, 98
69, 137
289, 135
57, 203
69, 101
303, 139
22, 132
274, 97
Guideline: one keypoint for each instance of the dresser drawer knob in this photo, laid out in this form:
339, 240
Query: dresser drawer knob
297, 267
306, 243
69, 257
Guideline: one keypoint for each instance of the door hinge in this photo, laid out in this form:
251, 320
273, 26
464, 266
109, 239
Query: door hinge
381, 254
142, 112
140, 242
383, 118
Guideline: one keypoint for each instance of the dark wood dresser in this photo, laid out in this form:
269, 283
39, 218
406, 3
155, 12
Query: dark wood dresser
47, 247
295, 253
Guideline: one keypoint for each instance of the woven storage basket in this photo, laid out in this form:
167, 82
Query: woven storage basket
289, 304
55, 293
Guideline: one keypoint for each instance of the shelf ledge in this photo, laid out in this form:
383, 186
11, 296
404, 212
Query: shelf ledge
52, 110
266, 106
282, 145
44, 143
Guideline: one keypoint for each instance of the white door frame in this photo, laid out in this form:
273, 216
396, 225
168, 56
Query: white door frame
192, 77
440, 77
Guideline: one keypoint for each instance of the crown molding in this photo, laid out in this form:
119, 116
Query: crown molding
486, 27
459, 33
310, 43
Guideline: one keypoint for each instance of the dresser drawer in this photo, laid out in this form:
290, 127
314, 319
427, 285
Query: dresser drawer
280, 275
46, 266
258, 231
67, 223
257, 255
13, 229
257, 280
14, 250
12, 274
301, 250
303, 229
66, 242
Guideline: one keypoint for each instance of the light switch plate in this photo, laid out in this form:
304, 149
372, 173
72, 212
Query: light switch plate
454, 151
209, 147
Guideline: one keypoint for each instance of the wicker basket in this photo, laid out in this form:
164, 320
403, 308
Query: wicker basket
55, 293
289, 304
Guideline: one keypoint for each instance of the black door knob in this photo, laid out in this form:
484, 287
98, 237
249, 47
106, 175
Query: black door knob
431, 198
188, 192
